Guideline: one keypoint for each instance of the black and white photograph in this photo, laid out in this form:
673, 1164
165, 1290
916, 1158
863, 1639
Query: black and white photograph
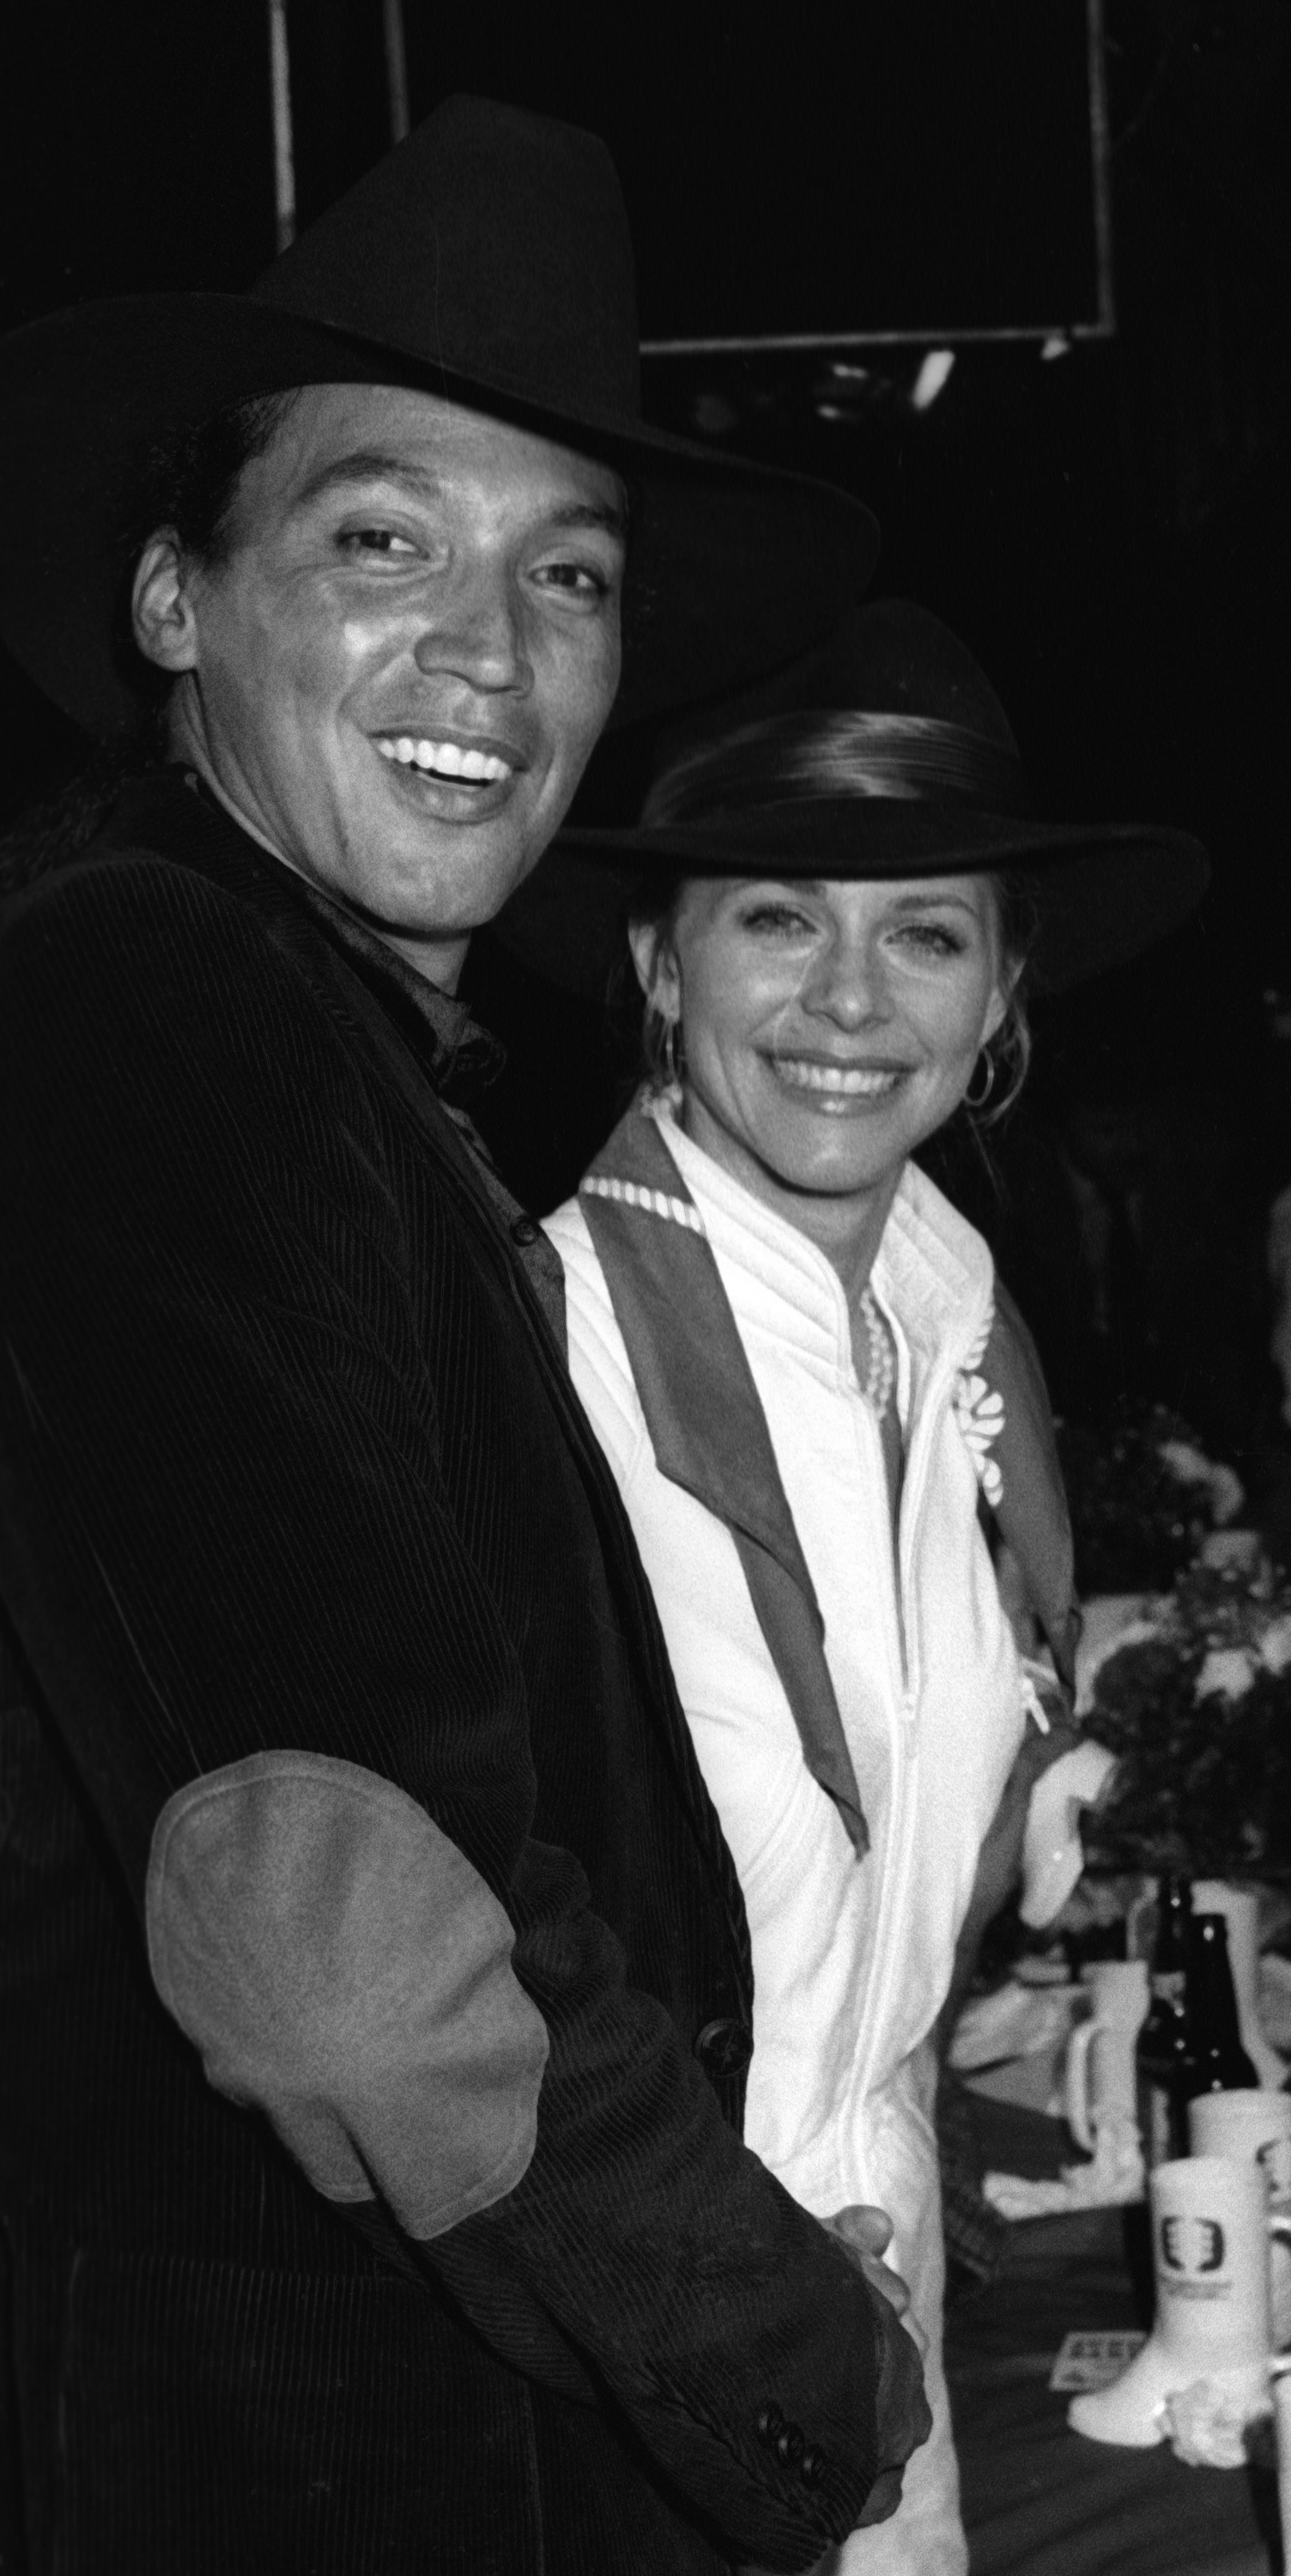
645, 1289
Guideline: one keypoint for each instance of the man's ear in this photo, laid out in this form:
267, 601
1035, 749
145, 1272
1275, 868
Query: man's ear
656, 965
165, 628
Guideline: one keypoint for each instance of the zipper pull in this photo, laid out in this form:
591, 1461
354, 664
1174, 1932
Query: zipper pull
1033, 1705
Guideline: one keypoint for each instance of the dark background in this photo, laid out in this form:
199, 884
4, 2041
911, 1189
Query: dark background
1105, 519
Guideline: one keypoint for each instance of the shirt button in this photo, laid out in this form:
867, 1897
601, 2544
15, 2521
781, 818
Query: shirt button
724, 2048
811, 2467
770, 2423
790, 2446
524, 1230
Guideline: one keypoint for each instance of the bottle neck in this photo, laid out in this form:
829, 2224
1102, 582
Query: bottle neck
1169, 1969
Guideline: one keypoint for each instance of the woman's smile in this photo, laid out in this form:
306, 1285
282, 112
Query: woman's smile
827, 1029
836, 1088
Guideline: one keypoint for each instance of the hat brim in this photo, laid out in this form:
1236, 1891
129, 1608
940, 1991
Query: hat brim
733, 569
1102, 892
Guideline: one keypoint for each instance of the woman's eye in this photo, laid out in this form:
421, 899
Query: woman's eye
773, 917
378, 541
932, 939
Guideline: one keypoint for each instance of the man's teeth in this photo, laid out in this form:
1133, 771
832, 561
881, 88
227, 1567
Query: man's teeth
444, 758
856, 1081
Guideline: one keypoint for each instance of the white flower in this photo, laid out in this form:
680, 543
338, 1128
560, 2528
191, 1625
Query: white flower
1110, 1622
1186, 1463
1230, 1551
1275, 1644
979, 1413
1227, 1673
1190, 1466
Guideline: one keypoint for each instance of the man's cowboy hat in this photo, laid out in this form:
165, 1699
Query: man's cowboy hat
486, 260
884, 752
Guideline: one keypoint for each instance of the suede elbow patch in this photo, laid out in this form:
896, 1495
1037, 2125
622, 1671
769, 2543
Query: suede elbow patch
341, 1965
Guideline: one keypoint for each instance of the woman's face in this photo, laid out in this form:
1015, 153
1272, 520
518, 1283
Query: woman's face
828, 1027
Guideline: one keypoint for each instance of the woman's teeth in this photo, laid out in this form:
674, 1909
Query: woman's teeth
851, 1082
443, 759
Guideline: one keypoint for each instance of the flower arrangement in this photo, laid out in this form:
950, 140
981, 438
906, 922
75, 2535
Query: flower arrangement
1143, 1498
1195, 1701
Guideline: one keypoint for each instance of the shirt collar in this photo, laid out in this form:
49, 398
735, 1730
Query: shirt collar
933, 1272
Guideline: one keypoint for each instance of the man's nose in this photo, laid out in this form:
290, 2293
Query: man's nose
477, 634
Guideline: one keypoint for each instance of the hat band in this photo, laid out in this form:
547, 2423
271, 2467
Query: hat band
838, 753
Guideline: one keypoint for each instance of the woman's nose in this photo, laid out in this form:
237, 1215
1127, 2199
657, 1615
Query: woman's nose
847, 984
476, 634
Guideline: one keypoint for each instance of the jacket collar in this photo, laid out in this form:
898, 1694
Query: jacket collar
174, 813
933, 1273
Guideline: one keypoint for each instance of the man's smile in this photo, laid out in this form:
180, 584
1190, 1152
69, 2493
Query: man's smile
479, 759
452, 777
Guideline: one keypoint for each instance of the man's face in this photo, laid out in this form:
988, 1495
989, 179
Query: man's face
404, 656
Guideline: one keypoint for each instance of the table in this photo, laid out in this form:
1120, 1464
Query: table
1038, 2499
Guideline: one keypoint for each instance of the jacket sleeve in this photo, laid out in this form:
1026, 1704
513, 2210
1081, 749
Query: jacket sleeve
230, 1546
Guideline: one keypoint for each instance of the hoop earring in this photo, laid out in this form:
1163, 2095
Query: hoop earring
987, 1087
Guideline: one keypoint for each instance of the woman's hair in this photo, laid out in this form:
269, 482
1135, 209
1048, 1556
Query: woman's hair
1017, 922
187, 481
653, 906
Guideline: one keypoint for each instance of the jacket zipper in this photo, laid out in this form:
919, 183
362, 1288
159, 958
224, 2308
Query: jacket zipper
904, 1661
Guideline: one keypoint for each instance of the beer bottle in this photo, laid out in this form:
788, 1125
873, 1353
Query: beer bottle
1218, 2063
1163, 2064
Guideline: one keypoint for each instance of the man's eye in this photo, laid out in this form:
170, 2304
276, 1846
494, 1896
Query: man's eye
377, 541
578, 581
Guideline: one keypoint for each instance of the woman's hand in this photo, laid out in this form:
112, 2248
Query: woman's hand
999, 1862
865, 2235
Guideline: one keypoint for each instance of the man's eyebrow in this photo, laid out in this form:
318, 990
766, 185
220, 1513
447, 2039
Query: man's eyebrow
385, 465
610, 515
367, 465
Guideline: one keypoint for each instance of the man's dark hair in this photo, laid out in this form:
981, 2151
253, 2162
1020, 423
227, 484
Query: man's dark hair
187, 481
189, 476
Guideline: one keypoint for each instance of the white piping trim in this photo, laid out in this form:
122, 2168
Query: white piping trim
654, 1202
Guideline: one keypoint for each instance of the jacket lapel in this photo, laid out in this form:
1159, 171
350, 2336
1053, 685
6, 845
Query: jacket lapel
1031, 1505
706, 1423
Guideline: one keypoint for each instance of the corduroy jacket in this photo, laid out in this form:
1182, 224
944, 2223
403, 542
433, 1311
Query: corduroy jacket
370, 1961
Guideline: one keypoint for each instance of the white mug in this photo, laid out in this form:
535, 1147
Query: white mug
1255, 2124
1211, 2228
1282, 2426
1100, 2084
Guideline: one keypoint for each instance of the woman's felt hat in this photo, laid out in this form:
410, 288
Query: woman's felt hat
882, 753
486, 260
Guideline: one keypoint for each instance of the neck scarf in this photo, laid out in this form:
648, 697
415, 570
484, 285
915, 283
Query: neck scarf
710, 1435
